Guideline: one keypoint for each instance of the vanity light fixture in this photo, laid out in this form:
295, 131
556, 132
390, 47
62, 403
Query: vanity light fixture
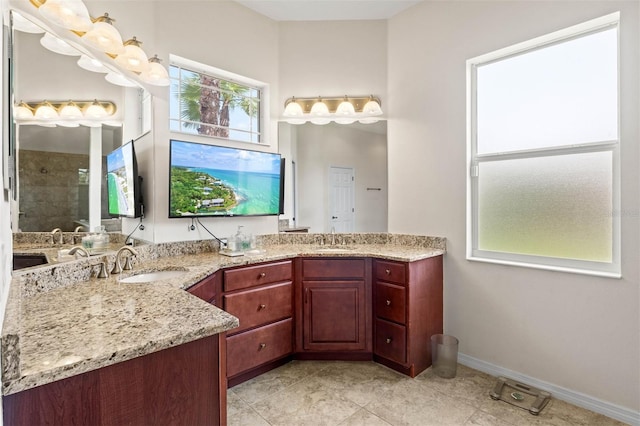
64, 113
100, 34
342, 110
69, 14
104, 36
54, 44
156, 74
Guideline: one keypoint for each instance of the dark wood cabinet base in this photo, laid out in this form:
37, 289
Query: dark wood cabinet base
176, 386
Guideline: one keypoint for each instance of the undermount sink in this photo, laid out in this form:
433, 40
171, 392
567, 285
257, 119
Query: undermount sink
151, 276
334, 249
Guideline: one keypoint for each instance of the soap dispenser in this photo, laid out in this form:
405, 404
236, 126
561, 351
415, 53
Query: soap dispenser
242, 242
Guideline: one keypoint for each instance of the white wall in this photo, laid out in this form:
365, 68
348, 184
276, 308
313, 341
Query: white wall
577, 332
319, 148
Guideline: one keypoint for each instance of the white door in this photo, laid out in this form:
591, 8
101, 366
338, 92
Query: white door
341, 198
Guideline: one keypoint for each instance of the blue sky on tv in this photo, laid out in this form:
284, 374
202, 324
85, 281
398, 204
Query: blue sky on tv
197, 155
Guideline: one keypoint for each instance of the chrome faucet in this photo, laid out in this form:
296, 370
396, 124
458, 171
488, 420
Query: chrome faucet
78, 249
333, 235
53, 236
117, 267
79, 229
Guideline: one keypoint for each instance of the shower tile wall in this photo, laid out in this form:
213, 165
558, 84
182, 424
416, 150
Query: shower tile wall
51, 195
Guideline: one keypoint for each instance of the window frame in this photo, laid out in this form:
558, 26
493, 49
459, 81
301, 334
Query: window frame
605, 269
264, 124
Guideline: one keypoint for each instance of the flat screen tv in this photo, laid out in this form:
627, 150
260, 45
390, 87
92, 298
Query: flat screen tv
123, 182
211, 180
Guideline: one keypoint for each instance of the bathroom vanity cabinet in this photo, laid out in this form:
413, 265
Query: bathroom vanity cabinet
261, 297
336, 303
160, 388
408, 311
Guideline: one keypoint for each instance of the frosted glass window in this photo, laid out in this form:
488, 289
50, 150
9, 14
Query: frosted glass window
557, 206
543, 139
559, 95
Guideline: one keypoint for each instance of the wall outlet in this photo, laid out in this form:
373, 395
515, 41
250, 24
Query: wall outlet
224, 243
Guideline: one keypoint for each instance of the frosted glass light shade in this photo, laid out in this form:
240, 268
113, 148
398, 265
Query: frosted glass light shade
372, 108
22, 111
54, 44
46, 111
345, 108
156, 74
133, 58
71, 111
95, 110
91, 64
68, 14
104, 37
293, 109
319, 113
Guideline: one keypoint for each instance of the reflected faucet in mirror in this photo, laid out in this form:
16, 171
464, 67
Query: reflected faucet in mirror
53, 236
80, 250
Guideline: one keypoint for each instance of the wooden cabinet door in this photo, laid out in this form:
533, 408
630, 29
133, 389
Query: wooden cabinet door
334, 315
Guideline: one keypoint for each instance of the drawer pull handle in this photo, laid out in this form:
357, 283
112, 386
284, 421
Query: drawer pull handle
388, 302
262, 346
261, 307
389, 339
388, 271
262, 275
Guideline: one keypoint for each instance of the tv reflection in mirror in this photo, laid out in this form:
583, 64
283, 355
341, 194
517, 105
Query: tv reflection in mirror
211, 180
124, 183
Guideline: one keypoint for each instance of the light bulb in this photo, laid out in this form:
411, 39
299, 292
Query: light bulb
22, 111
372, 107
46, 111
156, 74
69, 14
95, 110
133, 58
71, 111
293, 109
104, 36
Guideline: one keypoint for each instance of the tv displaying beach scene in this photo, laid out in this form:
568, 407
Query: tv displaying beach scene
121, 181
211, 180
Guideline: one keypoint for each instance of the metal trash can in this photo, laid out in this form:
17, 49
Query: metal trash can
444, 355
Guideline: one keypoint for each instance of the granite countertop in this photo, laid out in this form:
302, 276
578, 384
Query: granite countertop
60, 322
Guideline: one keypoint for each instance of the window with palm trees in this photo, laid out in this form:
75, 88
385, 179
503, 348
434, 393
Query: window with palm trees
209, 105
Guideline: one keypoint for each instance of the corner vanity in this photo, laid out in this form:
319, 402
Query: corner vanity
101, 351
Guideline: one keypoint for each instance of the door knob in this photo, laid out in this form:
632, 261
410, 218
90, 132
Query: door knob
262, 346
261, 307
388, 339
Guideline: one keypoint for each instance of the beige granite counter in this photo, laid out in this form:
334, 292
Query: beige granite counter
62, 322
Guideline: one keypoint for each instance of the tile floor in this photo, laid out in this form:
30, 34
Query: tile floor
368, 394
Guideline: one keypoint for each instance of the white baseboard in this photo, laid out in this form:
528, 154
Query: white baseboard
581, 400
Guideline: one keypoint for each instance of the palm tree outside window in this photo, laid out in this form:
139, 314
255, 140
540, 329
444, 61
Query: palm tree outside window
208, 105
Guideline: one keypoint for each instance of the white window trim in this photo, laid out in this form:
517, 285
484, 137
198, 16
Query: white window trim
609, 270
265, 111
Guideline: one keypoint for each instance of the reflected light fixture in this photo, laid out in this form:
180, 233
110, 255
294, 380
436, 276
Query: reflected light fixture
20, 23
54, 44
133, 58
70, 111
91, 64
64, 113
22, 111
45, 111
69, 14
156, 74
342, 110
119, 80
104, 36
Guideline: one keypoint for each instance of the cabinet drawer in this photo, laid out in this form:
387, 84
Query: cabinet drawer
260, 306
205, 289
390, 341
251, 276
390, 302
333, 268
390, 271
256, 347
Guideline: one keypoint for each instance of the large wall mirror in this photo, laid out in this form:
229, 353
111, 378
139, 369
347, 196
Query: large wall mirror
336, 177
55, 164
